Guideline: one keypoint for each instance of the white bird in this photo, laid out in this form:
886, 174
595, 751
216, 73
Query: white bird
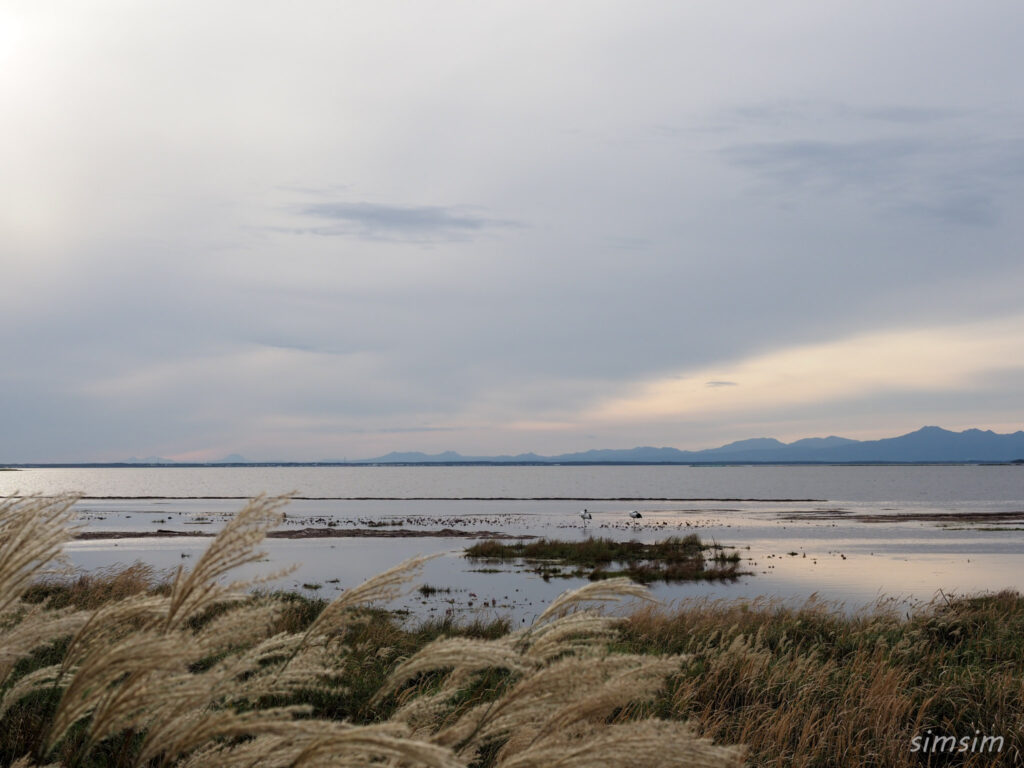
635, 515
584, 515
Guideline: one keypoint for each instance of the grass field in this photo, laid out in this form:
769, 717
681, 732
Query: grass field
127, 669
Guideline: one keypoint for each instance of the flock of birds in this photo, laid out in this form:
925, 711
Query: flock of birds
585, 515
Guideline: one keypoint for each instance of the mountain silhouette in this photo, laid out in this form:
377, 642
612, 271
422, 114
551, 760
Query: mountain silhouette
928, 444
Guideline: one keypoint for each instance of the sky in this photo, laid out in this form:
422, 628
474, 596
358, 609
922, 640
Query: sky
333, 229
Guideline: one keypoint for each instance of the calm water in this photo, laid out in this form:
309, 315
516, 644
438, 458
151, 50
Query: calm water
940, 484
750, 508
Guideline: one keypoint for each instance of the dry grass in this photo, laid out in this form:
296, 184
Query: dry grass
130, 668
122, 670
816, 687
88, 591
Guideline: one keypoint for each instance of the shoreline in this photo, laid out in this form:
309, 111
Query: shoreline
906, 517
307, 533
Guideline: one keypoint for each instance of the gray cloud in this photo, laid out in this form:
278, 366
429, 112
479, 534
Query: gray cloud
807, 111
716, 384
828, 163
401, 222
628, 242
905, 114
960, 181
976, 210
775, 119
793, 191
400, 430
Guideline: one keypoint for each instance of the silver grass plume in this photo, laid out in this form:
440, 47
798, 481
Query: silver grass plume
313, 744
462, 654
195, 708
113, 679
637, 744
234, 546
384, 586
25, 762
629, 679
340, 743
36, 627
608, 590
564, 686
33, 681
577, 633
110, 623
32, 534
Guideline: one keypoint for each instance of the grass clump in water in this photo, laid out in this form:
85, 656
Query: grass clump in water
429, 590
673, 559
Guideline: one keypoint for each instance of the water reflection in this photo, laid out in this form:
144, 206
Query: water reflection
822, 552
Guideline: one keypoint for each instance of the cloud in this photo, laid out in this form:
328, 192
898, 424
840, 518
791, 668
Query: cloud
628, 242
969, 357
967, 209
715, 384
827, 163
955, 180
375, 221
403, 430
907, 114
821, 118
158, 296
802, 112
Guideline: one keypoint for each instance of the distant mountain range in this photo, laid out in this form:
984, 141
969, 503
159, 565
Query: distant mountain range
928, 444
234, 458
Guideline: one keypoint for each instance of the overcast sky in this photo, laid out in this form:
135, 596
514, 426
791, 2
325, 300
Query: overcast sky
334, 229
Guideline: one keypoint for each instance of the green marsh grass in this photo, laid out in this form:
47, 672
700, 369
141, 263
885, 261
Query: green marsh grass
672, 559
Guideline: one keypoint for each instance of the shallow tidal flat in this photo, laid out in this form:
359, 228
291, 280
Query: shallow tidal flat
850, 534
852, 554
770, 686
